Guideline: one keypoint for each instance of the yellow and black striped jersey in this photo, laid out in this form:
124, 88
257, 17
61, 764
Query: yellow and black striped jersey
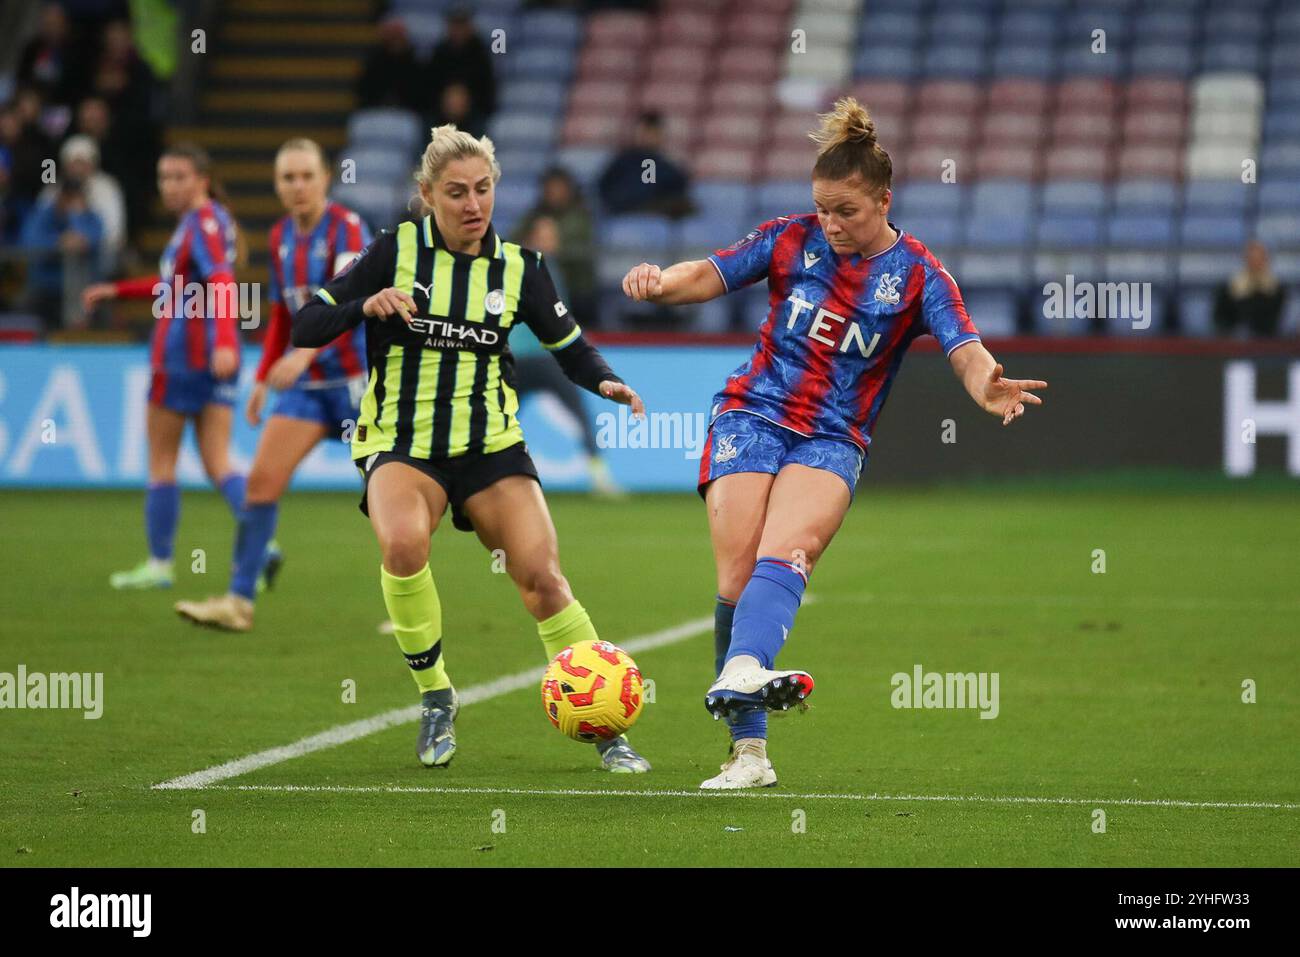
441, 384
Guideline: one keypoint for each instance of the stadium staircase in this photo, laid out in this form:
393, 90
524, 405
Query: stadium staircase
275, 69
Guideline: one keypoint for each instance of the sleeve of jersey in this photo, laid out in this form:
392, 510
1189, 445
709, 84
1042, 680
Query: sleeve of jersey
557, 331
142, 288
943, 313
337, 305
210, 253
277, 339
748, 260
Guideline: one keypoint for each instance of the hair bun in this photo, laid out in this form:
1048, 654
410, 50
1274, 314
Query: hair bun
848, 122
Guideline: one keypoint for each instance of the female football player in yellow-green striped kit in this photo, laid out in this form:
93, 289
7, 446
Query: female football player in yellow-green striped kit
439, 297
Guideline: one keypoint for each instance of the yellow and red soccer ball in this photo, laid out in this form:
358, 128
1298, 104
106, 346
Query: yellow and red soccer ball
592, 691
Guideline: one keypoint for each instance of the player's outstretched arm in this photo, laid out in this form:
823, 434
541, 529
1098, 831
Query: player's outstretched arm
981, 374
686, 282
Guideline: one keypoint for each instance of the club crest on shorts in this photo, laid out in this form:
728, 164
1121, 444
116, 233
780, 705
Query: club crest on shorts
887, 292
495, 302
726, 449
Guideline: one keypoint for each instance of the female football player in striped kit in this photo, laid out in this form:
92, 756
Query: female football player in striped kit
318, 391
194, 354
438, 298
789, 430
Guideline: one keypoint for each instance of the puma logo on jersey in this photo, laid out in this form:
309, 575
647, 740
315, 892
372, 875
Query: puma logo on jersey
849, 333
809, 260
887, 292
427, 290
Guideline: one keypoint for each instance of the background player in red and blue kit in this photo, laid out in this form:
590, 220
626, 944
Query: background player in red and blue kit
849, 292
318, 390
194, 353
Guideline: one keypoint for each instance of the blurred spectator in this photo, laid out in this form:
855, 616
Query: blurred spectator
623, 185
133, 168
462, 57
572, 260
63, 236
455, 105
29, 147
79, 161
121, 77
47, 62
392, 75
1250, 303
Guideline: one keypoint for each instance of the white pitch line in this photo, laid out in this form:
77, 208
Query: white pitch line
343, 733
771, 795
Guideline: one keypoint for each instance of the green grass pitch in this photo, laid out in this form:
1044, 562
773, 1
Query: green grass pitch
1117, 687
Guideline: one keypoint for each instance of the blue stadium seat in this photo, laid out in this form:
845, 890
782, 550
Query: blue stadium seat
783, 198
963, 28
895, 27
892, 61
585, 163
1001, 230
1162, 58
1172, 24
1069, 230
1282, 123
1284, 92
939, 233
523, 129
1140, 265
1002, 196
1229, 55
1279, 229
1237, 24
379, 165
399, 129
721, 198
1145, 194
1080, 60
1074, 196
1024, 59
1214, 196
922, 198
538, 61
1201, 231
536, 95
710, 232
977, 270
1028, 27
1196, 312
1147, 230
1200, 269
636, 231
520, 166
1279, 194
955, 61
993, 311
1279, 158
553, 28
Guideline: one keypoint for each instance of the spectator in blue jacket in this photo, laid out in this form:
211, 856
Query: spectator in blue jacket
61, 233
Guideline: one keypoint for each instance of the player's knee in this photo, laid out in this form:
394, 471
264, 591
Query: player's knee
404, 553
544, 587
263, 487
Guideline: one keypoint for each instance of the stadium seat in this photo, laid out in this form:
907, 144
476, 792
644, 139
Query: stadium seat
636, 231
398, 129
1147, 230
1205, 230
1069, 230
783, 198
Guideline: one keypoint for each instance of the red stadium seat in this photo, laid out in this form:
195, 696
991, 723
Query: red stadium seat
1084, 128
789, 164
739, 96
600, 95
1155, 128
1007, 162
603, 129
620, 28
609, 63
733, 129
755, 64
1017, 95
684, 64
929, 163
1012, 129
678, 97
1077, 161
949, 96
687, 27
1156, 92
943, 129
1087, 93
759, 30
725, 163
882, 95
1145, 162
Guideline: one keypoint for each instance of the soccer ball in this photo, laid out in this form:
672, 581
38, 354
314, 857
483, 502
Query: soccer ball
592, 691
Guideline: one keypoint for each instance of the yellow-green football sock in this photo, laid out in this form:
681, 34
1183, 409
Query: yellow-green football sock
564, 628
416, 614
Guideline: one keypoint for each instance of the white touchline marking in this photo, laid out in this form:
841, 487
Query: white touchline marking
771, 795
343, 733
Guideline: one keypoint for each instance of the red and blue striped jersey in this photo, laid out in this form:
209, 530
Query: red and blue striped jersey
837, 326
300, 264
202, 251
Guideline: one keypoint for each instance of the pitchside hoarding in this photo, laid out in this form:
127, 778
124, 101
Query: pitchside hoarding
73, 416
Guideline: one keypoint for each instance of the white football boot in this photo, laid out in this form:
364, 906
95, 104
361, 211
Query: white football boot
748, 767
744, 687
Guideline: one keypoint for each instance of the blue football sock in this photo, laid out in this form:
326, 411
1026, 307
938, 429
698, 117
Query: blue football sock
751, 723
232, 490
766, 610
256, 529
723, 612
162, 510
